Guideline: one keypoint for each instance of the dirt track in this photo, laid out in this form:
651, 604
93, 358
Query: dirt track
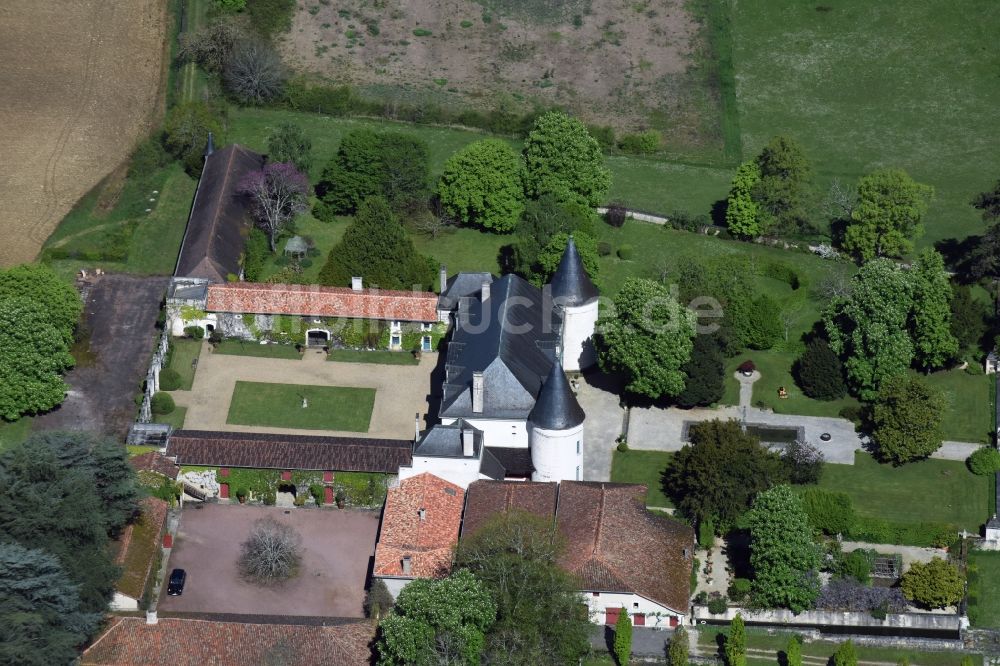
81, 82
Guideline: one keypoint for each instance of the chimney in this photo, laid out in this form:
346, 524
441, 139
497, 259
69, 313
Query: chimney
478, 389
416, 427
485, 293
356, 283
468, 439
444, 277
406, 565
151, 617
422, 512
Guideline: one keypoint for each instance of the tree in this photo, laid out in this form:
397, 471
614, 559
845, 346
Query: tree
544, 218
743, 216
930, 316
33, 355
793, 652
288, 143
819, 372
935, 584
803, 461
483, 185
186, 131
41, 618
376, 246
254, 73
561, 158
378, 600
736, 643
516, 556
271, 553
648, 337
552, 253
984, 460
888, 217
437, 622
906, 418
210, 47
278, 192
370, 163
43, 286
845, 655
757, 322
678, 648
989, 203
785, 176
784, 559
968, 318
623, 638
719, 472
868, 328
705, 373
829, 512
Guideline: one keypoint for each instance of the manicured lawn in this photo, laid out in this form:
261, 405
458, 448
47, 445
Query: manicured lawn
280, 406
174, 418
384, 357
942, 491
14, 432
642, 467
324, 234
775, 369
138, 449
984, 603
969, 415
182, 359
241, 348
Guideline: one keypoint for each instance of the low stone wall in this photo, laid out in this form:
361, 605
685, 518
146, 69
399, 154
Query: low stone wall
938, 622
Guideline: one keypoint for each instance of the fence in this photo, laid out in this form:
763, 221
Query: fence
153, 377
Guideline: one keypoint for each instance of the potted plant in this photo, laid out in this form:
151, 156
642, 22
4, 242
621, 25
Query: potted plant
340, 497
746, 368
242, 494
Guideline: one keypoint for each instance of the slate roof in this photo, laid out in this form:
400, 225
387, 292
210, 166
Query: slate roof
445, 441
488, 498
287, 452
512, 461
129, 641
512, 339
571, 285
615, 545
155, 462
217, 226
427, 541
556, 407
461, 285
316, 301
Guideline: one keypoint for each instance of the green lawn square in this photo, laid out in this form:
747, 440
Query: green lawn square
280, 406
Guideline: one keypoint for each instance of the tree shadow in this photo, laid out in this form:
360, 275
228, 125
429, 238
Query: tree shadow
718, 212
958, 256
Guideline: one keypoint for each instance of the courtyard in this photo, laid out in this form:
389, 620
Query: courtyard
336, 548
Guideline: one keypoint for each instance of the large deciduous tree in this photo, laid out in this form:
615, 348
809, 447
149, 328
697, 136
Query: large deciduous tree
868, 328
375, 246
185, 132
40, 283
210, 47
437, 622
906, 419
719, 472
784, 558
930, 317
543, 218
989, 203
278, 192
888, 216
935, 584
743, 215
648, 336
561, 158
785, 175
483, 185
254, 73
271, 552
289, 143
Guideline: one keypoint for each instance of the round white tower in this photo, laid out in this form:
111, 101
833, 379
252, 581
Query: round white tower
555, 431
576, 297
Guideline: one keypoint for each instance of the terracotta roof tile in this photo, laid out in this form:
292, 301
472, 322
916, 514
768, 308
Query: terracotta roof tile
427, 541
155, 462
138, 545
316, 301
488, 498
274, 451
129, 641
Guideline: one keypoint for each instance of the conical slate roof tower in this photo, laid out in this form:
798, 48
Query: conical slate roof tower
571, 286
556, 407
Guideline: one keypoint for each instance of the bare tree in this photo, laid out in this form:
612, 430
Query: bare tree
840, 200
254, 73
834, 285
431, 225
278, 193
271, 553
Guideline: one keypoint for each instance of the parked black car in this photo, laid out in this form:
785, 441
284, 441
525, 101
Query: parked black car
175, 587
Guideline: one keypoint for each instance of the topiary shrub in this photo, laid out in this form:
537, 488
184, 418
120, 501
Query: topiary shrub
984, 461
196, 332
717, 604
604, 249
170, 380
625, 252
616, 215
820, 373
162, 404
747, 367
622, 445
829, 512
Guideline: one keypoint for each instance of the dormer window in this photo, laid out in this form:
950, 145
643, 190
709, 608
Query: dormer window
422, 513
407, 565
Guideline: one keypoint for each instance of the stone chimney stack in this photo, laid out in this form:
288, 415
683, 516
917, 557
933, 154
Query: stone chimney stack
357, 284
422, 512
444, 277
468, 440
478, 389
151, 617
416, 427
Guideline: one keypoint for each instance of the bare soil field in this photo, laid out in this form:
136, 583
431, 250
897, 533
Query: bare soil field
626, 63
81, 83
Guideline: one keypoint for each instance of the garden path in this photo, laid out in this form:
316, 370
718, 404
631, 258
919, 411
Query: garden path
603, 426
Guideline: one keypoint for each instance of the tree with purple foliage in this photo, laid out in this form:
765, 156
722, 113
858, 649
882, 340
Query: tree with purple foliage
278, 193
847, 594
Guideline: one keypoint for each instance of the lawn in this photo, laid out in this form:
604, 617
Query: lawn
241, 348
642, 467
183, 356
174, 418
775, 369
864, 85
984, 603
280, 406
383, 357
943, 491
324, 234
969, 415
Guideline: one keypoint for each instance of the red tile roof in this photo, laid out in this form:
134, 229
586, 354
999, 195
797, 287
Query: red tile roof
427, 541
615, 545
155, 462
488, 498
315, 301
129, 641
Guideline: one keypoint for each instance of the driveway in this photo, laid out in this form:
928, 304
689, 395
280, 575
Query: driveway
400, 390
602, 427
337, 546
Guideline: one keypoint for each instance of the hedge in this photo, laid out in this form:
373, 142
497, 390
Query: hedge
924, 534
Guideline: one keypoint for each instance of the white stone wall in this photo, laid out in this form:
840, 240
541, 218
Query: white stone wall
120, 602
578, 332
656, 614
501, 432
557, 455
460, 471
395, 585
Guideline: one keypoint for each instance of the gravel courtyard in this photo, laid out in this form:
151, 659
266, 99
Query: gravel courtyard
336, 548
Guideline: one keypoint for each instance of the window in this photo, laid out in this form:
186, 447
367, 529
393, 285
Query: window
635, 604
426, 327
395, 326
577, 447
596, 594
395, 341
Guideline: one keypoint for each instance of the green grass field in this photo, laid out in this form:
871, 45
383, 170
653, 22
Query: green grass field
182, 359
642, 467
984, 603
280, 406
383, 357
969, 415
241, 348
942, 491
174, 418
